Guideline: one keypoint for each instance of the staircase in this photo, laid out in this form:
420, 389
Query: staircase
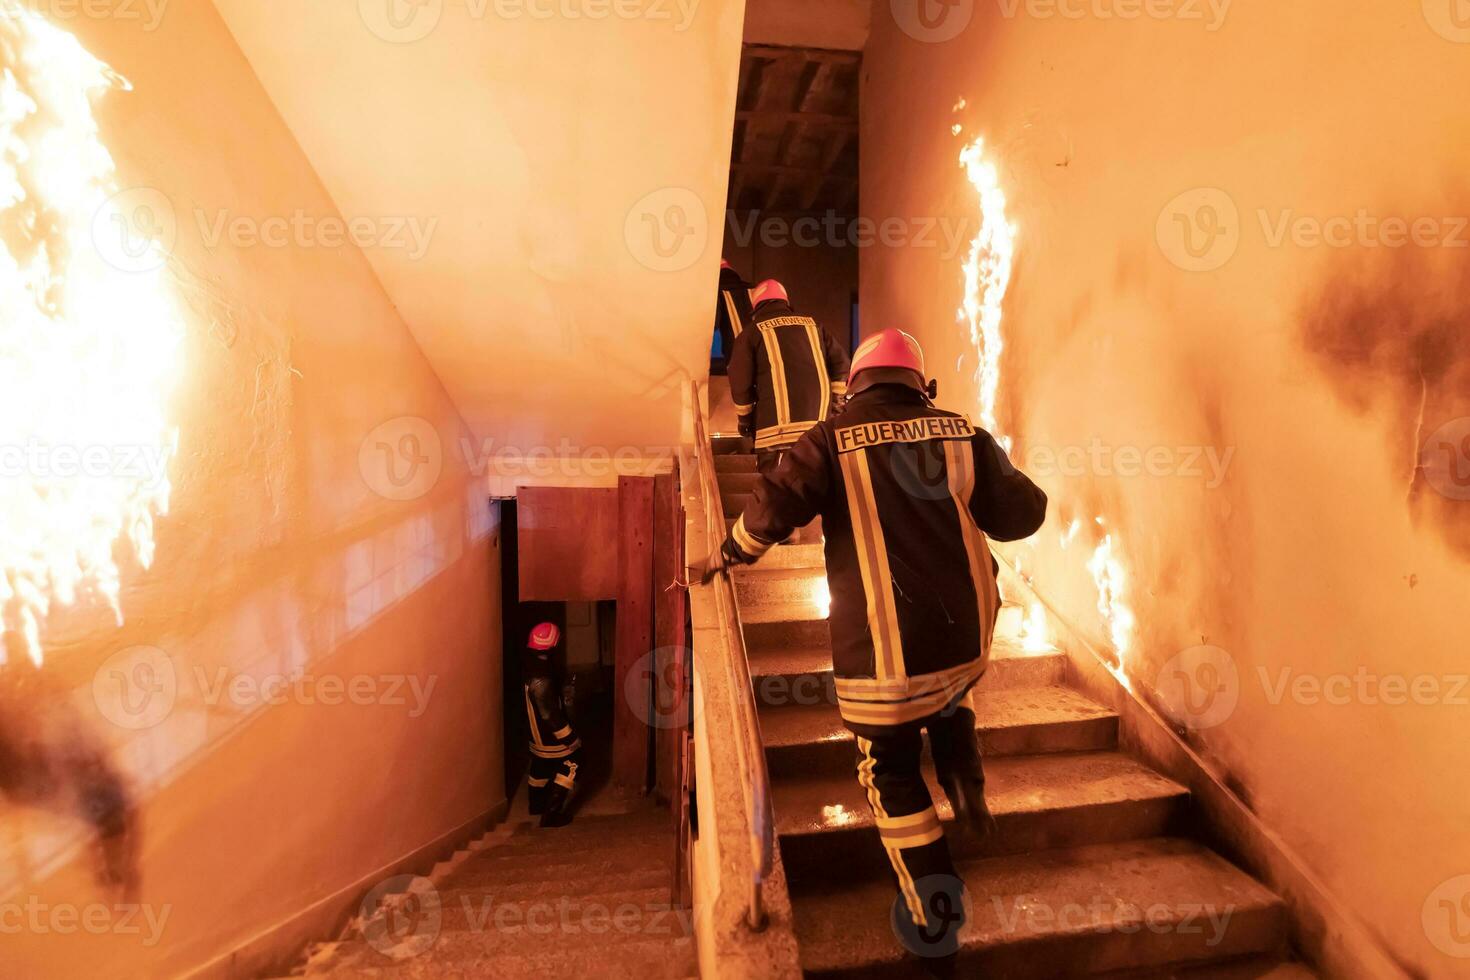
1093, 870
591, 899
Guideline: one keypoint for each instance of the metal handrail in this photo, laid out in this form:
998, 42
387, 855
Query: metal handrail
751, 747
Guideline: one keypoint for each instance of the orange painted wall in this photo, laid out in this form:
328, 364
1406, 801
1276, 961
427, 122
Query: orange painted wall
1315, 372
286, 553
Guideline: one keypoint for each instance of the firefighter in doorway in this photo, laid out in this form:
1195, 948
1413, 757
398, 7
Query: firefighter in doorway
908, 496
786, 375
555, 747
732, 312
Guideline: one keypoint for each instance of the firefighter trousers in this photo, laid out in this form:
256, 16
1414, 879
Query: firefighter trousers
889, 771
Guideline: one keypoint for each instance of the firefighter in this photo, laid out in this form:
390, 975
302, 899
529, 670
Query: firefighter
555, 747
908, 495
786, 373
732, 311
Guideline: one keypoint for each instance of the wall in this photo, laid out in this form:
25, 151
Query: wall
285, 554
822, 279
570, 159
838, 24
1316, 552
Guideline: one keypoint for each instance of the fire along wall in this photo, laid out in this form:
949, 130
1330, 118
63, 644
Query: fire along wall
1235, 329
305, 688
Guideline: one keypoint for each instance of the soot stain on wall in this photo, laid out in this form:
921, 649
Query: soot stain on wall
1390, 332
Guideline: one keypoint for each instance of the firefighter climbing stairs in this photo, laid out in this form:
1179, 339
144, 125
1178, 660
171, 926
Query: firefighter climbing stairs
1093, 869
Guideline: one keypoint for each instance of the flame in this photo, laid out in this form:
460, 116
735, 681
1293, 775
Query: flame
88, 351
1112, 588
987, 278
822, 596
1036, 632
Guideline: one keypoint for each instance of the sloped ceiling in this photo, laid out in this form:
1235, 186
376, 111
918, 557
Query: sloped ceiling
572, 170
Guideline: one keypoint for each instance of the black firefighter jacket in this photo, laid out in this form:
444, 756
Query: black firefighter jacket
732, 311
784, 370
907, 495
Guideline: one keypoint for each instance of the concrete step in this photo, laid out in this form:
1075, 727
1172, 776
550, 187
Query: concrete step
525, 889
551, 951
735, 482
1138, 905
734, 462
1246, 968
731, 446
789, 556
1039, 801
805, 733
795, 651
476, 909
763, 585
611, 861
794, 611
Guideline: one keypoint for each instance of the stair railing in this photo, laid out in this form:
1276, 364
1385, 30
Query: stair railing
751, 748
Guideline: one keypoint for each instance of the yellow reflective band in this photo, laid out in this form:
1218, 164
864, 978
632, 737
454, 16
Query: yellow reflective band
538, 783
565, 781
555, 751
535, 724
743, 409
562, 732
781, 435
872, 552
959, 459
839, 387
813, 335
869, 782
778, 372
749, 543
733, 312
914, 830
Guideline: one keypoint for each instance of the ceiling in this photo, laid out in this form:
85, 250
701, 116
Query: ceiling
837, 25
565, 292
795, 147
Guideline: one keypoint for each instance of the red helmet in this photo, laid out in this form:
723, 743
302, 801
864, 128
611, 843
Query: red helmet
890, 348
544, 637
768, 290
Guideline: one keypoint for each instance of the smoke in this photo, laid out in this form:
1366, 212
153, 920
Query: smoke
51, 759
1390, 330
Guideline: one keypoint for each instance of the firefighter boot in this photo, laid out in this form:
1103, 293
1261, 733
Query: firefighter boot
956, 749
560, 796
